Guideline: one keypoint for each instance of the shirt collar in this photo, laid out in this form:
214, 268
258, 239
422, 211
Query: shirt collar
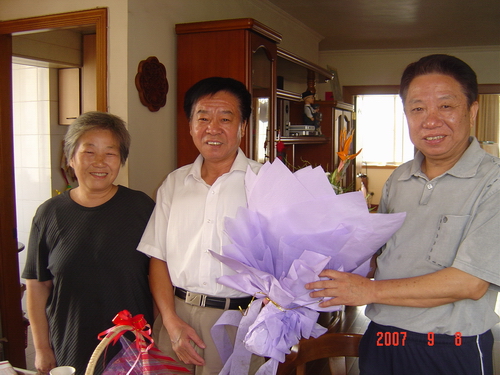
240, 164
466, 166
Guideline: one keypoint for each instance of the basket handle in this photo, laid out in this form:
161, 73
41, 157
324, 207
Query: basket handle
115, 331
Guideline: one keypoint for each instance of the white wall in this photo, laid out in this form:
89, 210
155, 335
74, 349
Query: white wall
32, 139
117, 28
152, 33
384, 67
142, 28
59, 47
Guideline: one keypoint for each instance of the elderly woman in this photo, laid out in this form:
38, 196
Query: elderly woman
83, 267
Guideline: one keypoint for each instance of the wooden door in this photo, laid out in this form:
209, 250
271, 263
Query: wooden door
10, 293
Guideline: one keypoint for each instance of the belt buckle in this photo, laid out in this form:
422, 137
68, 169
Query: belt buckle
195, 299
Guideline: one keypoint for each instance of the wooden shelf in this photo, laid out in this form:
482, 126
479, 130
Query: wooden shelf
253, 62
257, 61
298, 65
288, 95
310, 140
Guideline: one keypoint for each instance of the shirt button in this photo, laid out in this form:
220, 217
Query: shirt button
429, 186
445, 219
209, 221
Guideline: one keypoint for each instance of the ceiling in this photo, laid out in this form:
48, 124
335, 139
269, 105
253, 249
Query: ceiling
387, 24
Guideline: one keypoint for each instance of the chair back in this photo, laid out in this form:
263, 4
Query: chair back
335, 346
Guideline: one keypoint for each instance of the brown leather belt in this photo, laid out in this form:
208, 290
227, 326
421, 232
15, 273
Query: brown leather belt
204, 300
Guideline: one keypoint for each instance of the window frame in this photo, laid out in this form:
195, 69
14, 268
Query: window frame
399, 130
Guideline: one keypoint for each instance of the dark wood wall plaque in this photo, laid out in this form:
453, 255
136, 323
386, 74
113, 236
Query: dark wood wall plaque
151, 82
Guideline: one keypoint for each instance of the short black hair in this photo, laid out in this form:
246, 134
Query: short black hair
213, 85
441, 64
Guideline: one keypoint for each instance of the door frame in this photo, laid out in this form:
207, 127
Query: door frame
10, 291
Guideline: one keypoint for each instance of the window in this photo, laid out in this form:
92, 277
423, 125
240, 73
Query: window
382, 131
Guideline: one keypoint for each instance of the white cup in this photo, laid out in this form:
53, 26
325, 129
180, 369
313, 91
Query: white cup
62, 370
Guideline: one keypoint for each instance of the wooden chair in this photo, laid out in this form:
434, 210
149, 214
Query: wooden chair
335, 346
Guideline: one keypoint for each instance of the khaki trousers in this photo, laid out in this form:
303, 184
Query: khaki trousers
201, 319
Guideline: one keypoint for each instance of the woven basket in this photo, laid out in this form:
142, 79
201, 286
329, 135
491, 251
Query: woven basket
103, 344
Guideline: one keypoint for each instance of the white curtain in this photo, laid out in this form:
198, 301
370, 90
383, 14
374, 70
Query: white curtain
488, 118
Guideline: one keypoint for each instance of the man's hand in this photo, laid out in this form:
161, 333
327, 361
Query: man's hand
181, 334
434, 289
345, 288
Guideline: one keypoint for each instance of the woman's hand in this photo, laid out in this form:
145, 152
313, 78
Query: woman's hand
37, 294
44, 360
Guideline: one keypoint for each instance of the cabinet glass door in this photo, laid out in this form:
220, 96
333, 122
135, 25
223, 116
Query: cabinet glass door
261, 130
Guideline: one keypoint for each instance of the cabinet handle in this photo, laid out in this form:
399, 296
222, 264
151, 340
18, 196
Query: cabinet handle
70, 118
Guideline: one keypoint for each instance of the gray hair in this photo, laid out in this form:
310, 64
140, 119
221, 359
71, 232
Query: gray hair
97, 120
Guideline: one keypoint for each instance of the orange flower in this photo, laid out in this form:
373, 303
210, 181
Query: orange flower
345, 144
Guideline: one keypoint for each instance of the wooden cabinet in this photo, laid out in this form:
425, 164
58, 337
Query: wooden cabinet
89, 73
77, 86
315, 150
69, 95
246, 50
243, 49
297, 76
343, 120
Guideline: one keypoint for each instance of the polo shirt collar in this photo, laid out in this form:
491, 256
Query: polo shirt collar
466, 166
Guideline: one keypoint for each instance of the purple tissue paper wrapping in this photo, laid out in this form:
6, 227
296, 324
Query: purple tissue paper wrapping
294, 227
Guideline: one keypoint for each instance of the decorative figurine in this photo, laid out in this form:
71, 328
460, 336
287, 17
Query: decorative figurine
312, 115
